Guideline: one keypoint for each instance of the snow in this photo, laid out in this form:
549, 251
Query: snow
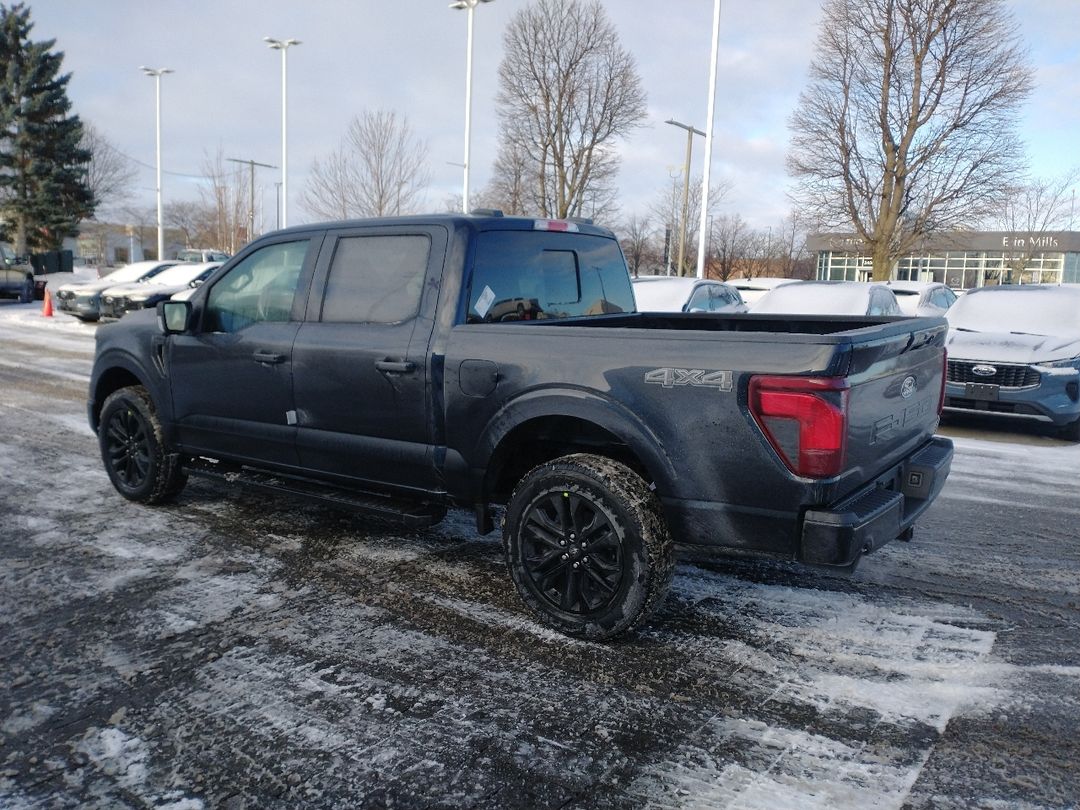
374, 661
816, 298
1033, 309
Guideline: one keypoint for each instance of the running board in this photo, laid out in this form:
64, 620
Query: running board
411, 514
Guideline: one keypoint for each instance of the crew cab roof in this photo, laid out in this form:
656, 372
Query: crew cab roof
476, 222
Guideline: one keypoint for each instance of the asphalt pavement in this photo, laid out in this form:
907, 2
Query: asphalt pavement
241, 651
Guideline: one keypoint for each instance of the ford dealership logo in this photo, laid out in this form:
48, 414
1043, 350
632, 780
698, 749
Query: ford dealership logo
983, 371
907, 387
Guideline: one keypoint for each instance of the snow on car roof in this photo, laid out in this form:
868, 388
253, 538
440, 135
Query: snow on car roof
763, 283
182, 273
817, 298
662, 293
1036, 309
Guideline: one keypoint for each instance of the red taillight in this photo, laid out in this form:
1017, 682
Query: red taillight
944, 379
805, 421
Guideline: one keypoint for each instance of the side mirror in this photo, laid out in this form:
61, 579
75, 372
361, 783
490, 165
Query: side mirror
173, 316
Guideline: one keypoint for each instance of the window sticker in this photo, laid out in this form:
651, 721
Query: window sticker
484, 302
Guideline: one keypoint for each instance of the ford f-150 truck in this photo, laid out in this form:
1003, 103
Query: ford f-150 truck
403, 366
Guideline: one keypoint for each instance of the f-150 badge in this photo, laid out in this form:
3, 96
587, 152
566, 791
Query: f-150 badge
697, 377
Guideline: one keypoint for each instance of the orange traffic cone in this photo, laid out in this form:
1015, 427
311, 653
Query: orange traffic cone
46, 311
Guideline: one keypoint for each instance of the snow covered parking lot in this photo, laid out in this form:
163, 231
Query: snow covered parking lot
237, 651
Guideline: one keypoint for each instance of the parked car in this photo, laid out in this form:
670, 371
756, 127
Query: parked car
83, 299
115, 301
16, 275
201, 255
675, 294
753, 289
358, 363
829, 298
922, 298
1015, 350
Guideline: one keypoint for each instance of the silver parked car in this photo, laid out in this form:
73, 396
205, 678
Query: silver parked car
83, 299
923, 298
676, 294
829, 298
1015, 350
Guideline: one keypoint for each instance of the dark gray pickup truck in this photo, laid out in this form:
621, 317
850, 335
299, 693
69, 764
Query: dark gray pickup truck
402, 366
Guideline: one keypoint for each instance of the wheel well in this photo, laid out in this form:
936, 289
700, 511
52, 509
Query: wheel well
546, 438
112, 380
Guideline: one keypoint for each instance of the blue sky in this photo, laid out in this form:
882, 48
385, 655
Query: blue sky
408, 55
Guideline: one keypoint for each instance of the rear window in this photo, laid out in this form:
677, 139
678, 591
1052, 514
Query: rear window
526, 275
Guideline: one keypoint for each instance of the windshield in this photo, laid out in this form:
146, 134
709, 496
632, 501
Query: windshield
1028, 310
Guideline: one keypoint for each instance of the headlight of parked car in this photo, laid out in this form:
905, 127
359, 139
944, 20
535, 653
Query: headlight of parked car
1072, 363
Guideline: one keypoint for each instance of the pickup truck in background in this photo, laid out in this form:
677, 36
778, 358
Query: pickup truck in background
403, 366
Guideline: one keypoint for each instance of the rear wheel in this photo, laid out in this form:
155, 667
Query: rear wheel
587, 547
133, 449
26, 292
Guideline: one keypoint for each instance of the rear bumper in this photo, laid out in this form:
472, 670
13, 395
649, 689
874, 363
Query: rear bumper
877, 513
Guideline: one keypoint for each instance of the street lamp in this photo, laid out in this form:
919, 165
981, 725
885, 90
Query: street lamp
470, 6
690, 133
283, 46
157, 73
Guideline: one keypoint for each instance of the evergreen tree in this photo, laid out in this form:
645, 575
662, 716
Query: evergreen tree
44, 192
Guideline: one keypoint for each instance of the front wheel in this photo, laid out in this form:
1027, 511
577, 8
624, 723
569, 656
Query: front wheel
133, 449
587, 547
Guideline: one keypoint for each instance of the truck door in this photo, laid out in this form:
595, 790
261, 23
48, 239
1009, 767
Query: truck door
360, 361
231, 379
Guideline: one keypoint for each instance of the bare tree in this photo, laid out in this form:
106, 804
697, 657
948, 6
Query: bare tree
567, 91
512, 187
194, 220
668, 209
639, 245
791, 246
729, 240
379, 170
109, 173
1034, 212
226, 197
908, 125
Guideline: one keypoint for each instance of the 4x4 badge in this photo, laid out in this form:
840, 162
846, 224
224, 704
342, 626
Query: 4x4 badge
697, 377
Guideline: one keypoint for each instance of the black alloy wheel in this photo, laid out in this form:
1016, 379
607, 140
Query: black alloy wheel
587, 546
127, 447
136, 459
572, 552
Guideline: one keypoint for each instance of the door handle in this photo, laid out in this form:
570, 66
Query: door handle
268, 357
396, 366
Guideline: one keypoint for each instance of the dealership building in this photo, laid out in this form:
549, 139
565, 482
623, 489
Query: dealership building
961, 259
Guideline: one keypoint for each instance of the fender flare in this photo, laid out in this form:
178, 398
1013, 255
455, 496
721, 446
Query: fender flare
586, 406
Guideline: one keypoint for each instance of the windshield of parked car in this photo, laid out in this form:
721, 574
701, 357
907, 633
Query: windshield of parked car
1030, 310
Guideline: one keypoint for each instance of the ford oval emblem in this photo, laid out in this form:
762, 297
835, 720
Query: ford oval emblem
983, 371
907, 387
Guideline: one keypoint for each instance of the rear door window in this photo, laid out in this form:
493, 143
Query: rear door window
376, 279
527, 275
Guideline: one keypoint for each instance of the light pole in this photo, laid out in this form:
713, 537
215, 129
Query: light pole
709, 136
283, 46
690, 133
470, 6
157, 73
251, 214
